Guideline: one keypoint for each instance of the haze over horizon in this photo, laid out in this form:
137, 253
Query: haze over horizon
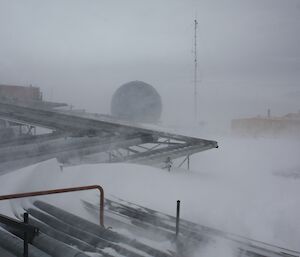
81, 51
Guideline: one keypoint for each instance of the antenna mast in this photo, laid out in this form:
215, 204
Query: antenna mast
195, 72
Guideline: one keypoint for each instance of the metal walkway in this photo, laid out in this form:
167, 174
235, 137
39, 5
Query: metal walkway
77, 137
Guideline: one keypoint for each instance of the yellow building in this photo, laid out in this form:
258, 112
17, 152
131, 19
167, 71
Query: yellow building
263, 126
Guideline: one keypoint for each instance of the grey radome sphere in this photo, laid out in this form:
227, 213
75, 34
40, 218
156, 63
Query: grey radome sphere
137, 101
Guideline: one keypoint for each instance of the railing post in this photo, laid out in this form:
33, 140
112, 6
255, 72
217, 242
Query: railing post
25, 253
177, 217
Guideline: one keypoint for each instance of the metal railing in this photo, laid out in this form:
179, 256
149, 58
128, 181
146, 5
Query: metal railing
59, 191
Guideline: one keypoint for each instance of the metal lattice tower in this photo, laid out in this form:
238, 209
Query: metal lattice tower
195, 72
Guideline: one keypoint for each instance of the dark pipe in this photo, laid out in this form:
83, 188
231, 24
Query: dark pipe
56, 248
51, 246
5, 253
63, 237
20, 226
14, 245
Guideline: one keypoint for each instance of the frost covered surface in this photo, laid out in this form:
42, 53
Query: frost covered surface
243, 187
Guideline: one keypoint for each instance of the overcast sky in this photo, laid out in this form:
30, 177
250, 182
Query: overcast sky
81, 51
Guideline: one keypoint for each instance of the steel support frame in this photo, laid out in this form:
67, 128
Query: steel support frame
169, 161
187, 160
166, 142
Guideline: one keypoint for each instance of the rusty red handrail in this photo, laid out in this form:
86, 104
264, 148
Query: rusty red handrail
59, 191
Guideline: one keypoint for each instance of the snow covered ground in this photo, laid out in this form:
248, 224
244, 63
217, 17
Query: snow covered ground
249, 187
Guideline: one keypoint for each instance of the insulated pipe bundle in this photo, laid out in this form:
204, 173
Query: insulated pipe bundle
65, 238
66, 228
15, 245
106, 234
94, 240
51, 246
5, 253
56, 248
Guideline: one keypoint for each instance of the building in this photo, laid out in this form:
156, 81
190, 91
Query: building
288, 124
20, 93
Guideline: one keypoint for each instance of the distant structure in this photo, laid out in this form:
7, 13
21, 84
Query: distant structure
137, 101
28, 96
195, 73
288, 125
20, 93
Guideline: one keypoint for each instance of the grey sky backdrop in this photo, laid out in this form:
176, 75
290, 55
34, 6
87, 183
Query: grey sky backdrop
81, 51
